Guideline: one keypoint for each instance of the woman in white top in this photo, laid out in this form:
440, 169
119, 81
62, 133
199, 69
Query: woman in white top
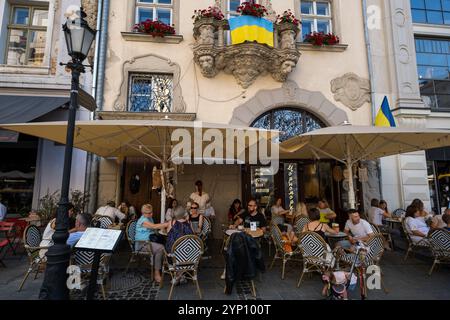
170, 211
415, 224
277, 209
202, 198
301, 210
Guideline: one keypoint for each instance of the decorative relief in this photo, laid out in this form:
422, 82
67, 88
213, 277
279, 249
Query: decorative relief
351, 90
244, 61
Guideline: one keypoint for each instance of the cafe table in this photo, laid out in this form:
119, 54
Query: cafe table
117, 226
333, 239
392, 222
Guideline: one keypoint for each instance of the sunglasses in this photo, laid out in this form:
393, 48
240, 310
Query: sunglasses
194, 207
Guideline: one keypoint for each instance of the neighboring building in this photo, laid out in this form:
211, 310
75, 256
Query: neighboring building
34, 87
183, 77
410, 55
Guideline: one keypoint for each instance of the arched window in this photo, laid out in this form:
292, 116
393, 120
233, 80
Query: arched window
291, 122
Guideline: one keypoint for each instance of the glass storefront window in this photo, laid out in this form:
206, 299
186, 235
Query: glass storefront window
262, 186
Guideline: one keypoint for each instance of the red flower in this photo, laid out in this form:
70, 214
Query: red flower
320, 39
155, 28
252, 9
211, 12
288, 17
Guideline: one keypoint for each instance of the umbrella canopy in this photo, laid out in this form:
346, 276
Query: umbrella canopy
349, 144
124, 138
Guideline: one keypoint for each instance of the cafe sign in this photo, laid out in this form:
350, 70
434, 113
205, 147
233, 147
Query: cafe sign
291, 186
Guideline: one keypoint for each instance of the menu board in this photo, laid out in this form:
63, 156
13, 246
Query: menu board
262, 181
291, 186
99, 239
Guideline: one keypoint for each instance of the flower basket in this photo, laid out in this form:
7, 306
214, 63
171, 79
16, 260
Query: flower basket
321, 39
210, 15
154, 28
250, 8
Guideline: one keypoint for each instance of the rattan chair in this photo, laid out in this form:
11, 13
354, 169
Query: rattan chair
183, 261
440, 247
141, 253
84, 260
385, 233
422, 244
317, 255
398, 213
205, 232
102, 222
32, 238
280, 251
299, 224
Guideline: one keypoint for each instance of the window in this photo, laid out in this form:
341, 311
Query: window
431, 11
150, 93
154, 10
290, 122
316, 17
433, 66
27, 31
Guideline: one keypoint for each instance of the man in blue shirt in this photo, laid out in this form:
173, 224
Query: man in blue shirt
82, 222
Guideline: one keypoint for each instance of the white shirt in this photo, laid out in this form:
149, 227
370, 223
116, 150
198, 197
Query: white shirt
47, 240
203, 201
360, 230
376, 216
416, 224
110, 212
2, 211
169, 214
275, 210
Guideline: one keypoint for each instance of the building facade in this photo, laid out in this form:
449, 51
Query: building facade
35, 87
408, 54
197, 74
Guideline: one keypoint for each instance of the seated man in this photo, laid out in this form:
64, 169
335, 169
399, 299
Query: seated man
251, 215
357, 229
111, 211
82, 222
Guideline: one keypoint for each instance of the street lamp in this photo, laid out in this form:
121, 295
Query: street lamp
79, 37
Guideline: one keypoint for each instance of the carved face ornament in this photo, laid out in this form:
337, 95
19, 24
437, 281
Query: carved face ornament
352, 89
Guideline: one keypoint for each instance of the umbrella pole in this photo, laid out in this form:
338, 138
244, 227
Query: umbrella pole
163, 188
351, 189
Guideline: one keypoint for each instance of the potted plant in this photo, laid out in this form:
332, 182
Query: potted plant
154, 28
321, 39
288, 27
210, 14
250, 8
79, 199
48, 205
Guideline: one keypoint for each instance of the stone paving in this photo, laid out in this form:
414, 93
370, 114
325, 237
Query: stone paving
404, 280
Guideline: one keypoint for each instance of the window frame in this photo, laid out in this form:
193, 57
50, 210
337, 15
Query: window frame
154, 6
29, 28
315, 17
143, 75
425, 10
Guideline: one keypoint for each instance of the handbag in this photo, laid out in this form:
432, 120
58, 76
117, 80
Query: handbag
157, 238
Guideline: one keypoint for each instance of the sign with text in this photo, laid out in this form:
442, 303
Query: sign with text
291, 186
99, 239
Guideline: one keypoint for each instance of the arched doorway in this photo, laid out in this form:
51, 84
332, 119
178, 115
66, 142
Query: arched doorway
297, 180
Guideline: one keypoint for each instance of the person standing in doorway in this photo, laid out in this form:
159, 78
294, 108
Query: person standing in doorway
203, 200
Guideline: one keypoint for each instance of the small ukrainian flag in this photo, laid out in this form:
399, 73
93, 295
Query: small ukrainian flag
384, 117
249, 28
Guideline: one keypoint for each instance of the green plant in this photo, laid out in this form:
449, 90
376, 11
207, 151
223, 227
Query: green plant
48, 205
79, 199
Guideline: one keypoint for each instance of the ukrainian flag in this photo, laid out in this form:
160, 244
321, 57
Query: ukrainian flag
384, 117
249, 28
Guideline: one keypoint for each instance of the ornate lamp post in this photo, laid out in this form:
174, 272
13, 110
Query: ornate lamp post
79, 37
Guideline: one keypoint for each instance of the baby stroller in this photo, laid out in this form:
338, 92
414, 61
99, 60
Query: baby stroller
338, 282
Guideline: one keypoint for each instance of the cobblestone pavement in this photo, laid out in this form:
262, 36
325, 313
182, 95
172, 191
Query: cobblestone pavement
404, 280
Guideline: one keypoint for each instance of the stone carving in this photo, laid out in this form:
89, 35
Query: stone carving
351, 90
151, 63
244, 61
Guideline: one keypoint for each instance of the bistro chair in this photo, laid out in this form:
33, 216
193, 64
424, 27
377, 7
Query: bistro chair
205, 232
183, 261
9, 231
141, 253
398, 213
276, 220
102, 222
280, 251
84, 260
32, 238
317, 255
373, 256
440, 247
385, 233
300, 223
422, 244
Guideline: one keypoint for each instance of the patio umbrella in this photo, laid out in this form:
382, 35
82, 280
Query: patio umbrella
151, 138
349, 144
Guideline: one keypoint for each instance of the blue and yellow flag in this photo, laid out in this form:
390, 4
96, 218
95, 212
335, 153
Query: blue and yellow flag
384, 117
249, 28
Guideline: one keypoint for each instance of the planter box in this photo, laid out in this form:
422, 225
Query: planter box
143, 37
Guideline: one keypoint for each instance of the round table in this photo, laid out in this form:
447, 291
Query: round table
393, 222
255, 234
335, 238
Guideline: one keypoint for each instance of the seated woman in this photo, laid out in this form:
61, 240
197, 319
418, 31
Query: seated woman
326, 214
178, 227
415, 224
169, 213
234, 211
277, 209
301, 210
316, 225
145, 232
383, 206
289, 237
195, 218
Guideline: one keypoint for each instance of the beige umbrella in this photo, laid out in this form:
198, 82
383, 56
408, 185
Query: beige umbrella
152, 138
349, 144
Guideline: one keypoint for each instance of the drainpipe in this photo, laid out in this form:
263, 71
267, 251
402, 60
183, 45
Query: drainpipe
98, 87
372, 81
